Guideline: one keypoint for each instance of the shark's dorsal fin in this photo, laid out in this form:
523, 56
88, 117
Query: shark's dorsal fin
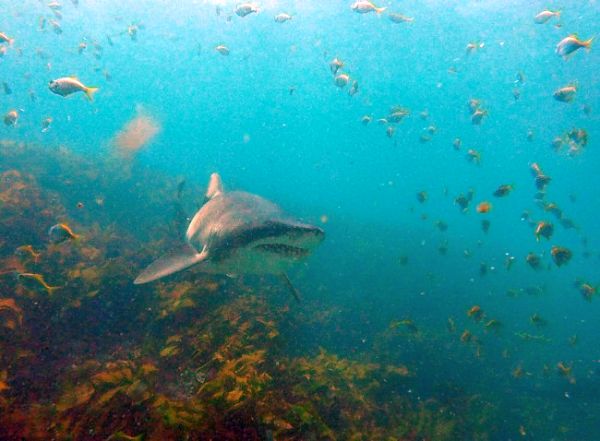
215, 186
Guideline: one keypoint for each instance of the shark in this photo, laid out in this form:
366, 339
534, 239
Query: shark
238, 233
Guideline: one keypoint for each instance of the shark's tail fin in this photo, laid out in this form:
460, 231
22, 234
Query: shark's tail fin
172, 263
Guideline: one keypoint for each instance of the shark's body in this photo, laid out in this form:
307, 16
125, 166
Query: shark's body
238, 233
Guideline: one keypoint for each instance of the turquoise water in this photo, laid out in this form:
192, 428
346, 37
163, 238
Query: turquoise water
269, 118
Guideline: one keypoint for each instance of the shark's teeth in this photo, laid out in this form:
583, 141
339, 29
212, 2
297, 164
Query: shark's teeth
283, 249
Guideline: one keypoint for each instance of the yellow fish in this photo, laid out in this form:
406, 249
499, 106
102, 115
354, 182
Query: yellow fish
28, 249
39, 279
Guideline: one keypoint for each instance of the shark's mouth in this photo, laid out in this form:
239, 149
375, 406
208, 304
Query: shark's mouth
282, 249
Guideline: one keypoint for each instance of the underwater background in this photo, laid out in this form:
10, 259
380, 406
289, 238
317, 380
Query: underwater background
440, 306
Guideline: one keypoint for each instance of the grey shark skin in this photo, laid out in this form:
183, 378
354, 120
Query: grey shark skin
238, 233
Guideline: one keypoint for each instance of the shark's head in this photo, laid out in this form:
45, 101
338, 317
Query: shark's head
271, 247
286, 240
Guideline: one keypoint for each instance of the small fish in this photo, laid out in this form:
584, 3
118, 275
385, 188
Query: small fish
557, 143
422, 196
503, 190
565, 94
122, 436
570, 44
473, 105
67, 85
530, 135
244, 9
2, 51
11, 117
6, 87
485, 225
27, 250
508, 261
493, 324
341, 80
587, 109
483, 269
484, 207
518, 372
132, 31
561, 255
441, 225
399, 18
397, 114
60, 232
222, 49
463, 202
579, 136
545, 15
537, 320
519, 78
366, 119
354, 89
180, 187
475, 312
516, 94
282, 17
451, 325
586, 290
82, 46
56, 27
554, 209
456, 143
477, 116
424, 137
365, 6
56, 6
40, 280
46, 122
568, 224
544, 229
541, 179
6, 39
563, 369
335, 65
466, 336
407, 323
474, 156
473, 46
533, 260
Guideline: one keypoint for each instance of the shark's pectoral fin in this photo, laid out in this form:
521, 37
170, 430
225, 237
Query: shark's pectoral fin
172, 263
291, 287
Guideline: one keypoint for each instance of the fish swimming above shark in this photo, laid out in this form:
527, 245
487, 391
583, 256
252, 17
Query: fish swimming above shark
238, 233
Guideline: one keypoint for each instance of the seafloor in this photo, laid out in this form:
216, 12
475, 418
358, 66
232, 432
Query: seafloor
193, 357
